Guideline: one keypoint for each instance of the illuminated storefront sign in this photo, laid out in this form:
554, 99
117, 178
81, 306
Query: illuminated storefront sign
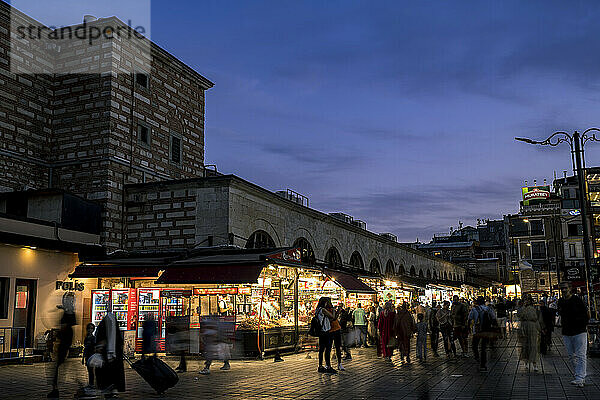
535, 194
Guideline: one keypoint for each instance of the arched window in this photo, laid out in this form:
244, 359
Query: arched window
356, 260
413, 272
332, 258
389, 269
428, 274
374, 266
308, 255
445, 276
401, 270
421, 273
435, 274
260, 240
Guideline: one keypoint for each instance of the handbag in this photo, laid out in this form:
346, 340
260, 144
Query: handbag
95, 361
392, 342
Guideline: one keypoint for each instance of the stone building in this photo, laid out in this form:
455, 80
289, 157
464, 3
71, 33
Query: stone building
226, 210
123, 113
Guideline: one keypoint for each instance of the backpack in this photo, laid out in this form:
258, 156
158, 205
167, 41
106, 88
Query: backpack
316, 328
485, 322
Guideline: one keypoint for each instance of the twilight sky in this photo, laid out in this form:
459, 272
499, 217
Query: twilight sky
398, 113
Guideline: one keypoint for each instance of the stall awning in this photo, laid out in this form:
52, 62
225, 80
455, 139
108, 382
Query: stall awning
115, 271
349, 282
216, 273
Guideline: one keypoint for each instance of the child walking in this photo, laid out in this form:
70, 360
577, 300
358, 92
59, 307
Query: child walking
421, 337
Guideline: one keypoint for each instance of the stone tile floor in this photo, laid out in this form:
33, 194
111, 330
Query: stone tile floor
366, 377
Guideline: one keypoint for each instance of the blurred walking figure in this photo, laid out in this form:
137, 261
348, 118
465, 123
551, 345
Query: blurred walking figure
574, 319
459, 316
336, 335
215, 345
404, 327
421, 338
109, 343
149, 334
385, 326
343, 317
501, 315
484, 327
360, 324
530, 331
434, 328
65, 337
372, 326
548, 315
89, 348
445, 320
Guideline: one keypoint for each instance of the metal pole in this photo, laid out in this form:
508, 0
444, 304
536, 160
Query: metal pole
584, 219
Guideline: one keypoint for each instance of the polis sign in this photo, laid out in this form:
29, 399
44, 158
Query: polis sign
70, 286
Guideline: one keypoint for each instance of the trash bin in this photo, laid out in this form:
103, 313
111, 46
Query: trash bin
594, 338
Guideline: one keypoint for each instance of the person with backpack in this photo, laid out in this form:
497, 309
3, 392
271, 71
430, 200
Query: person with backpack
529, 333
323, 318
483, 321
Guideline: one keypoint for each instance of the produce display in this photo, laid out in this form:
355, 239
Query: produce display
251, 323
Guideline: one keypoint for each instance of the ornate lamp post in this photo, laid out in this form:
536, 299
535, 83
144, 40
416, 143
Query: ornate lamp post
576, 143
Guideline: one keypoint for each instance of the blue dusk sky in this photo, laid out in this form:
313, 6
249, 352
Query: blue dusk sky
402, 113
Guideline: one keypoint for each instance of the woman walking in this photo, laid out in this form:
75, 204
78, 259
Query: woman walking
529, 334
325, 339
385, 326
336, 334
404, 327
372, 326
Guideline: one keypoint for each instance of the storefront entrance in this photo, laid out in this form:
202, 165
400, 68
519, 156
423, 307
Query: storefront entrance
24, 313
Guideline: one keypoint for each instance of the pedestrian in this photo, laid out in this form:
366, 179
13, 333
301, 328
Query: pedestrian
385, 326
215, 345
89, 348
483, 322
548, 315
378, 310
445, 320
404, 327
510, 306
529, 333
149, 334
325, 339
360, 325
574, 319
343, 318
65, 337
421, 338
434, 328
459, 316
109, 343
336, 335
501, 315
372, 326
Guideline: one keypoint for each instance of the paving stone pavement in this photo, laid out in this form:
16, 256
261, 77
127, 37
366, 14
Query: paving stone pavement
366, 377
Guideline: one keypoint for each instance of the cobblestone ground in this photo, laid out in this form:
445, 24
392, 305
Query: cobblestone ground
366, 377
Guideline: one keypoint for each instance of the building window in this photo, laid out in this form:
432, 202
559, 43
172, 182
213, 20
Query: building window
144, 133
538, 250
141, 79
537, 227
175, 149
542, 282
572, 250
575, 229
4, 292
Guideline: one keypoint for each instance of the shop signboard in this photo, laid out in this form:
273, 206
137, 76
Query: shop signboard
574, 273
389, 295
175, 293
209, 291
132, 306
294, 255
535, 194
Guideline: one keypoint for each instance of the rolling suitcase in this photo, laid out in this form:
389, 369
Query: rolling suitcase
154, 371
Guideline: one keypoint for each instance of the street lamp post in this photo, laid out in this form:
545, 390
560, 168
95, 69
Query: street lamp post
576, 143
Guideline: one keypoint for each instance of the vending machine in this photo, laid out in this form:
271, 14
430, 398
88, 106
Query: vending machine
100, 299
120, 306
148, 304
172, 305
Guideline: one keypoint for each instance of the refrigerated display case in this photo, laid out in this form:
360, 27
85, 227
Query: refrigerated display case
100, 299
120, 306
173, 304
148, 303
